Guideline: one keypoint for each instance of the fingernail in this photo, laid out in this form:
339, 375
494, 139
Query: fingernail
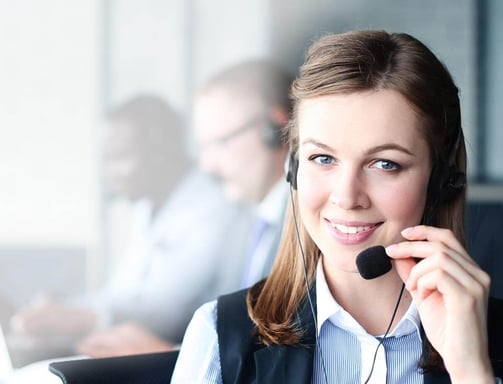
406, 231
390, 248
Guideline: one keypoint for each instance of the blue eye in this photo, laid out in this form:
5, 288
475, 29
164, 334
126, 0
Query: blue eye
386, 165
322, 159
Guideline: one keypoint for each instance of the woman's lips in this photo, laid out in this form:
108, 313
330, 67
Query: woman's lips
352, 233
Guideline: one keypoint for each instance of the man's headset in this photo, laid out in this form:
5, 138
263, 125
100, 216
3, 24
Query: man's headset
272, 135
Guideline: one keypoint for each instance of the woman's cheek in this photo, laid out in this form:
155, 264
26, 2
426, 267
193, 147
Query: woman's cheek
406, 206
312, 195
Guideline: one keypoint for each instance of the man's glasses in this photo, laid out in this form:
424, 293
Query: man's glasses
225, 139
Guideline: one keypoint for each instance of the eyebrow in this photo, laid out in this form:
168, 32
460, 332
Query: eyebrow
371, 151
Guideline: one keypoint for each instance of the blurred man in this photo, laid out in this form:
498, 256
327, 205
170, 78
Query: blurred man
173, 259
238, 119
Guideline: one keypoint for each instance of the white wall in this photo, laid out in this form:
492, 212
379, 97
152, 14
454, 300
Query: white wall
63, 61
226, 32
494, 85
50, 107
147, 50
49, 98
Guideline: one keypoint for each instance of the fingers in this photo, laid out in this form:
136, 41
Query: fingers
441, 255
433, 237
442, 265
123, 339
34, 319
439, 281
102, 343
450, 292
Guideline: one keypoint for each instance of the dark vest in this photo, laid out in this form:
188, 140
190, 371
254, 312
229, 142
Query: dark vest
244, 360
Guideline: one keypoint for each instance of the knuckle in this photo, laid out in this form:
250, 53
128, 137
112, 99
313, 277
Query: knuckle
485, 280
442, 258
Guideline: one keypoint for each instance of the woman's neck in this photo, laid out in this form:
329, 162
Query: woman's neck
370, 302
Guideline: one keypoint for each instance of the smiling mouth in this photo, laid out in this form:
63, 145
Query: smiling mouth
350, 230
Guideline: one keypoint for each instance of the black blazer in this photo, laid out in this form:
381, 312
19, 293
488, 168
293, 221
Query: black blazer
245, 360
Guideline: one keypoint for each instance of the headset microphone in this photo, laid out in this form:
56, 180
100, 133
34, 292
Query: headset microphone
373, 262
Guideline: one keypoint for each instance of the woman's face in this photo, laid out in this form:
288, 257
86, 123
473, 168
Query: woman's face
363, 172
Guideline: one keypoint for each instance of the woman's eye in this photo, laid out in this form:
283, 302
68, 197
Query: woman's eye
322, 159
386, 165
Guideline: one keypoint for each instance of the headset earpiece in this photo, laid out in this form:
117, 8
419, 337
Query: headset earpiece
293, 168
272, 135
454, 182
446, 182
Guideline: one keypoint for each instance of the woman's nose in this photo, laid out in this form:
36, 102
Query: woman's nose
348, 190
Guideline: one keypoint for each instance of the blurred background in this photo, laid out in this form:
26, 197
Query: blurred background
64, 63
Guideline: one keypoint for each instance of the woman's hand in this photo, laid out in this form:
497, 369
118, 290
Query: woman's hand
450, 291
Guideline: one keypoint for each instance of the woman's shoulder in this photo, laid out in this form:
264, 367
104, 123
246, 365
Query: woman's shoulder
234, 325
232, 310
234, 298
236, 337
234, 305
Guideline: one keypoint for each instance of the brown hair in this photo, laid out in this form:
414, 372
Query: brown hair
353, 62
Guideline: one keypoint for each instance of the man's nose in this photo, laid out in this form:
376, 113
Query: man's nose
208, 158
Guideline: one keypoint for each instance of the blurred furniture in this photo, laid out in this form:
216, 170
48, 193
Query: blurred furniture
153, 368
25, 272
485, 240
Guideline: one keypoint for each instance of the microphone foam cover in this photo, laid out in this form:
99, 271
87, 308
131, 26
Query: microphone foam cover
373, 262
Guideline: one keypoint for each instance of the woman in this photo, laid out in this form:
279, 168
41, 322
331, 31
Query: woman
378, 159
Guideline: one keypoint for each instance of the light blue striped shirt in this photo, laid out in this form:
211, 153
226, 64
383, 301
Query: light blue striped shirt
348, 362
347, 349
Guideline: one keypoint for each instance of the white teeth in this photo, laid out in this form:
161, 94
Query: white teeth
351, 230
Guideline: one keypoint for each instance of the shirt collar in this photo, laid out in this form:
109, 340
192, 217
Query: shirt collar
409, 323
325, 302
329, 310
271, 208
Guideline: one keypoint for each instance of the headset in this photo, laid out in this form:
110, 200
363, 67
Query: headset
444, 185
291, 177
446, 181
293, 168
272, 135
451, 181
